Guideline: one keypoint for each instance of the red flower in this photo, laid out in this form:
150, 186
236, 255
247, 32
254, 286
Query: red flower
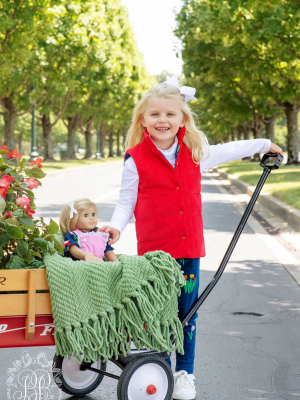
29, 211
14, 154
185, 276
31, 183
4, 147
8, 214
3, 192
195, 278
23, 201
5, 181
38, 162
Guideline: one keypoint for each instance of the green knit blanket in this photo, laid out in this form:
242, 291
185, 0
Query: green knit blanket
100, 308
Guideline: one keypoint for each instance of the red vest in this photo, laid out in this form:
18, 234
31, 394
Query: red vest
168, 209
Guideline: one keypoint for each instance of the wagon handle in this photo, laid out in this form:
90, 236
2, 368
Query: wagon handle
237, 234
30, 320
276, 156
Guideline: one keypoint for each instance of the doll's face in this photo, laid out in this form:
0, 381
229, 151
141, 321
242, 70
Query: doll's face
87, 219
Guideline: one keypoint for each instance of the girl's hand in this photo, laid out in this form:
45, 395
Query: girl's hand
275, 149
113, 233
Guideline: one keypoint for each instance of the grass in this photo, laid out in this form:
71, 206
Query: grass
59, 165
283, 183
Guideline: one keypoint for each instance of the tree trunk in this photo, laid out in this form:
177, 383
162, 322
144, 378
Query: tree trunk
240, 134
270, 127
72, 127
111, 142
257, 131
88, 140
291, 112
247, 132
232, 136
9, 115
20, 142
118, 145
47, 136
102, 140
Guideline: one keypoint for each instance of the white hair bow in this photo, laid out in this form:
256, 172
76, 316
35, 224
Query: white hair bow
187, 91
72, 211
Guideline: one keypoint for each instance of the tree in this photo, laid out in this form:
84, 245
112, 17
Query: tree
233, 49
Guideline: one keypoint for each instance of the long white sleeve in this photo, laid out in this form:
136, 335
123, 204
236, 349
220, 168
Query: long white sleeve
128, 196
218, 154
222, 153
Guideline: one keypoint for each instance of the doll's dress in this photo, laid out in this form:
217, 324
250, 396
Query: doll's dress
92, 242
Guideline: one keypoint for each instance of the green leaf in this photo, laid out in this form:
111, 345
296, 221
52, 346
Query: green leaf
2, 204
40, 242
37, 172
27, 222
18, 213
22, 162
29, 192
10, 197
8, 170
3, 151
52, 228
4, 239
36, 254
27, 258
58, 246
1, 161
1, 251
22, 249
14, 232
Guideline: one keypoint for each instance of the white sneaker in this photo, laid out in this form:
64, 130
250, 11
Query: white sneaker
184, 386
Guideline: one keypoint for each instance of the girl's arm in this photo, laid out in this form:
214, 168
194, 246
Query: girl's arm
110, 255
222, 153
82, 255
125, 207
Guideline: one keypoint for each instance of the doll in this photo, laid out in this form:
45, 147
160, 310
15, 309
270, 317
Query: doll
82, 239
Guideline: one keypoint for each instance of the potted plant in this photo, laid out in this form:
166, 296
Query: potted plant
24, 239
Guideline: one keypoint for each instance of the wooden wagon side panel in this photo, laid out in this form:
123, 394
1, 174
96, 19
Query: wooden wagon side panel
21, 313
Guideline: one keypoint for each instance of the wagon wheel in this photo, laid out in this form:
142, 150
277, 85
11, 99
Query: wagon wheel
146, 377
70, 379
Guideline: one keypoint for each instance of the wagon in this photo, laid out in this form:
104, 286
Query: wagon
26, 320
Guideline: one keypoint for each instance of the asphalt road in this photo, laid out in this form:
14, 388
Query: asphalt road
239, 355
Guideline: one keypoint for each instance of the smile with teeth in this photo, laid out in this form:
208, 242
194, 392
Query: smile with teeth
162, 129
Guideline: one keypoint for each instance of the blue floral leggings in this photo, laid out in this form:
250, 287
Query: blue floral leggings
189, 294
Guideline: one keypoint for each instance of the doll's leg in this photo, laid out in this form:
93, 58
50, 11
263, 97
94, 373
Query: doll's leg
189, 294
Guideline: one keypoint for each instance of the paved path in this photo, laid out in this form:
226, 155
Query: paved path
239, 356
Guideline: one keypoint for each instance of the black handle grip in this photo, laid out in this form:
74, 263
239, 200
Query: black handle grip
277, 162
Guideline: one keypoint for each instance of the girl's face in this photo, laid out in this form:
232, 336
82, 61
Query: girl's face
163, 118
87, 219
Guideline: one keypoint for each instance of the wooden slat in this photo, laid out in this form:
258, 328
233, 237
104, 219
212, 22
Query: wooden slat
16, 304
31, 297
18, 279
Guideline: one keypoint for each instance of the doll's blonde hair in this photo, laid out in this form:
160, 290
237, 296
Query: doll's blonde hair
67, 224
194, 138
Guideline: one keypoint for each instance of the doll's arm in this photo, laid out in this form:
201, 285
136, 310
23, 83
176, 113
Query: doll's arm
82, 255
110, 255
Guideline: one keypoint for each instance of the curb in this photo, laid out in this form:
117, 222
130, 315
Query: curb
76, 169
288, 213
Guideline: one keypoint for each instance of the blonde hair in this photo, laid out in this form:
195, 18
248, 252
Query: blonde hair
194, 138
67, 224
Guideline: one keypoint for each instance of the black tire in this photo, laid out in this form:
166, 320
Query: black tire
64, 383
163, 369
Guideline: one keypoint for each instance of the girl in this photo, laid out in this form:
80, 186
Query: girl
161, 184
83, 240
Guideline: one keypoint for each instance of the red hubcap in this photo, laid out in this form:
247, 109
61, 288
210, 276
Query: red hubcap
151, 389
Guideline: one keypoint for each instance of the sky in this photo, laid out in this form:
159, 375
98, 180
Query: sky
153, 23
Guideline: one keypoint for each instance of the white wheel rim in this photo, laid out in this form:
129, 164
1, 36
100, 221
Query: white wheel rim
74, 377
148, 374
